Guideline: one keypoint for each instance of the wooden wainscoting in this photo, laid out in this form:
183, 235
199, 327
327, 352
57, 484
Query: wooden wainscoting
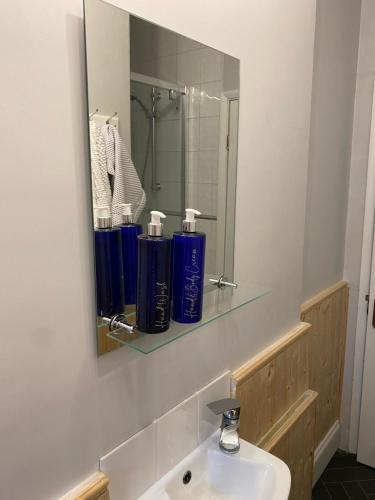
274, 379
292, 440
277, 407
327, 313
290, 393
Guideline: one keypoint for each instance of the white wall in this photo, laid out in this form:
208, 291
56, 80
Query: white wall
335, 60
354, 232
62, 407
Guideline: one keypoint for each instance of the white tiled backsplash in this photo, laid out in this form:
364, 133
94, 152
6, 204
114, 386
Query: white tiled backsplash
137, 463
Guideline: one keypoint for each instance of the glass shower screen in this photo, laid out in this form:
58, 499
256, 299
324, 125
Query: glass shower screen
158, 149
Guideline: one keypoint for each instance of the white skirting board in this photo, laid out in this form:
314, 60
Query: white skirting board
326, 450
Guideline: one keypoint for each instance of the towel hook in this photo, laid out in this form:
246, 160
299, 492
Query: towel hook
94, 113
110, 118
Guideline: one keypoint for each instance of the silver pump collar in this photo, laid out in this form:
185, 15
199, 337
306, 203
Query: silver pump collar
104, 222
189, 226
127, 218
155, 229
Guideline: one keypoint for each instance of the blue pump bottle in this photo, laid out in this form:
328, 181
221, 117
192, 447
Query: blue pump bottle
153, 287
108, 266
129, 237
188, 270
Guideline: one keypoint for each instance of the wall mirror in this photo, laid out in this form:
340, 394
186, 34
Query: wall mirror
174, 103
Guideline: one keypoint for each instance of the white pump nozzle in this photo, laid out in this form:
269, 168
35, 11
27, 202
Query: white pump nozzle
103, 217
155, 227
189, 224
127, 215
156, 216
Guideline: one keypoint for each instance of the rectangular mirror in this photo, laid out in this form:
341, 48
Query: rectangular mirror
174, 103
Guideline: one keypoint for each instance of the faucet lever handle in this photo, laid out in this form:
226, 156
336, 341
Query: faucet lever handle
225, 405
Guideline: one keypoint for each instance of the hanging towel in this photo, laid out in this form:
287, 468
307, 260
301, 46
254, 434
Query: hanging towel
101, 189
127, 187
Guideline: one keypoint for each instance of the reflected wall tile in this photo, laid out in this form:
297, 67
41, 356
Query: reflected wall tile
189, 67
193, 134
192, 166
169, 166
145, 67
140, 130
171, 224
166, 68
165, 42
167, 109
202, 166
210, 99
168, 197
194, 97
209, 133
211, 267
212, 63
203, 197
168, 136
208, 166
209, 227
184, 44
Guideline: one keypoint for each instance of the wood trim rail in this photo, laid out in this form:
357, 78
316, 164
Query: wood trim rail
247, 370
97, 490
94, 487
321, 296
287, 421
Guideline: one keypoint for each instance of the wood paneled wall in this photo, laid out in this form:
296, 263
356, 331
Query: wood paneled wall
327, 313
293, 442
290, 393
277, 407
270, 383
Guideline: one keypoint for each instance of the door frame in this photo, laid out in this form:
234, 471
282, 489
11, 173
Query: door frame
226, 204
364, 290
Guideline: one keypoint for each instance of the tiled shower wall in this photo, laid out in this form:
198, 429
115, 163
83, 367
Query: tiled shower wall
167, 56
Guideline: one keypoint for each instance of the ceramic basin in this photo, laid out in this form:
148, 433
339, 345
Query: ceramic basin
249, 474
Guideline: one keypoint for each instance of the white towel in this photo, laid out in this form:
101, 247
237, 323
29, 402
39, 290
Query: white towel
127, 187
101, 189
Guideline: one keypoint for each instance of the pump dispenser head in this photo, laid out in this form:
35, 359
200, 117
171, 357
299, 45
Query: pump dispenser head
127, 215
103, 218
189, 223
155, 227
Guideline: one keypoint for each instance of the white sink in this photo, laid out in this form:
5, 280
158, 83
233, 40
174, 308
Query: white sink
250, 474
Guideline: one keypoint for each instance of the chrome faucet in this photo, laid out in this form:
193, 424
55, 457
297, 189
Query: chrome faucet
230, 423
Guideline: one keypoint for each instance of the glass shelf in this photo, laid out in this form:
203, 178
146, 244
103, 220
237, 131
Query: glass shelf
216, 303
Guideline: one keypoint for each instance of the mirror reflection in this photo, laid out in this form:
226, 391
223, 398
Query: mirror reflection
163, 122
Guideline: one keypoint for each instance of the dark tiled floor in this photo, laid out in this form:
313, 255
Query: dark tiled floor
345, 479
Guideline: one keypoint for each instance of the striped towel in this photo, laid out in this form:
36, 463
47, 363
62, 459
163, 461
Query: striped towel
127, 187
101, 189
